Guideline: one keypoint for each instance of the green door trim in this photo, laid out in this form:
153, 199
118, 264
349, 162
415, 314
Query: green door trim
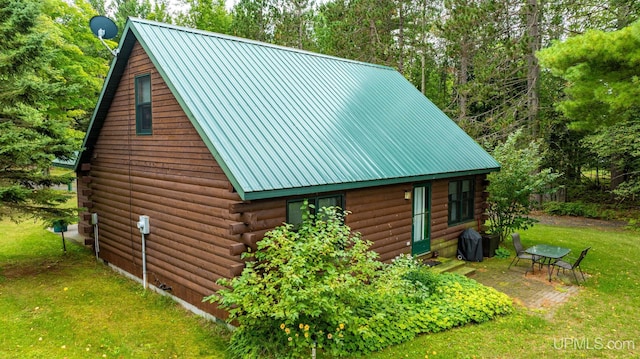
421, 220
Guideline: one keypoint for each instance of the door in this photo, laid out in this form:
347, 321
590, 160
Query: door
421, 231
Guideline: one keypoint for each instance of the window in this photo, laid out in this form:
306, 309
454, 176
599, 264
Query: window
460, 201
143, 105
294, 207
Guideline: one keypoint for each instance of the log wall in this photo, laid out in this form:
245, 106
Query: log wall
444, 238
380, 214
170, 176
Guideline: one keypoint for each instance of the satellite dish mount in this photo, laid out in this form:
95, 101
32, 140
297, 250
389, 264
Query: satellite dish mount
104, 28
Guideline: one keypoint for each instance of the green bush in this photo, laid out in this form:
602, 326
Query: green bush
310, 277
511, 188
633, 225
451, 301
422, 278
608, 214
503, 253
321, 286
576, 209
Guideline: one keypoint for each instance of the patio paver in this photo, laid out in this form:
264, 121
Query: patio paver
533, 291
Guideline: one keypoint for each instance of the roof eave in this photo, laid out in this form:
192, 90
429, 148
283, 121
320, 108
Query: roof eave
118, 65
335, 187
176, 94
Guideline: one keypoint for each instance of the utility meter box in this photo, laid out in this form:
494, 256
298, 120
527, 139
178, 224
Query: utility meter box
143, 224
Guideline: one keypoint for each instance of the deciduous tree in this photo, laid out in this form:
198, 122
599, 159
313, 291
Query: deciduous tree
511, 189
209, 15
78, 55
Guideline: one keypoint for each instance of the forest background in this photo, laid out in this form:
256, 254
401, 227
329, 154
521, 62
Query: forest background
565, 72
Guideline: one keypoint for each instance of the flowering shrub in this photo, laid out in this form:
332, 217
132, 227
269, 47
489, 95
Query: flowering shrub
321, 287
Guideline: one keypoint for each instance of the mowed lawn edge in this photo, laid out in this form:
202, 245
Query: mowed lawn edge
599, 322
57, 305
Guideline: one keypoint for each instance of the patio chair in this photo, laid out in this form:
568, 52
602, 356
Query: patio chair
520, 254
572, 266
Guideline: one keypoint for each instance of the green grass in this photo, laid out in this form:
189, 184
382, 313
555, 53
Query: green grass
54, 305
605, 309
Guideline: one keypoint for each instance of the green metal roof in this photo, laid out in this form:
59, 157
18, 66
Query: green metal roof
282, 121
66, 163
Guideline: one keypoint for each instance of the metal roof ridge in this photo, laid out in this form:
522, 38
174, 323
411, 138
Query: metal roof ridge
253, 42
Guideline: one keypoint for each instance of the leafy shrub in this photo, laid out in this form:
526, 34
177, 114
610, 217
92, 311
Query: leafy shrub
405, 278
321, 286
589, 192
469, 301
511, 188
503, 253
608, 214
423, 278
310, 276
576, 209
633, 225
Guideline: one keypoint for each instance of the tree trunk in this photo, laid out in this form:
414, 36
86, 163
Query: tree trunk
401, 38
423, 74
533, 68
300, 25
423, 43
463, 76
617, 174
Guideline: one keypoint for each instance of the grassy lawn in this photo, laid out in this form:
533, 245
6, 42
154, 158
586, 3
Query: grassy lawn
68, 306
605, 310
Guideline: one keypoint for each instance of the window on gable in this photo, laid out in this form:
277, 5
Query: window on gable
294, 207
461, 204
143, 105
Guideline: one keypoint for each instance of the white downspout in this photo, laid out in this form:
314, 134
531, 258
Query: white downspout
94, 221
143, 225
144, 263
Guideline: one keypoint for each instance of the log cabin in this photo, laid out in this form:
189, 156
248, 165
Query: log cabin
218, 139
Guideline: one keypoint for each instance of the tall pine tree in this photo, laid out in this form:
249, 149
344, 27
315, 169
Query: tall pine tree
33, 132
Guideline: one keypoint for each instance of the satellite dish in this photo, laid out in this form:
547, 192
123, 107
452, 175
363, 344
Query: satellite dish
104, 28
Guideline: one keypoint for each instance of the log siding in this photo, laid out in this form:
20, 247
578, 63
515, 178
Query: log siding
170, 176
382, 215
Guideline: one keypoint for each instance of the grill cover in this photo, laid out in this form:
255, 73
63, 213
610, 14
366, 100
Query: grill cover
470, 246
